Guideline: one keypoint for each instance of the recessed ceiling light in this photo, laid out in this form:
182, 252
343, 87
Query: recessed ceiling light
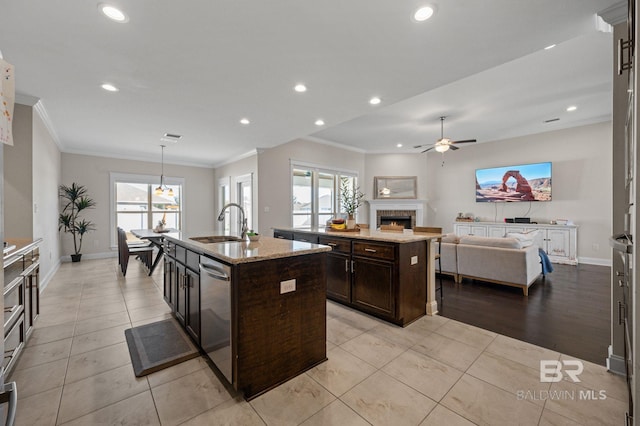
399, 145
423, 13
375, 100
319, 122
245, 121
113, 13
572, 108
300, 88
109, 87
551, 46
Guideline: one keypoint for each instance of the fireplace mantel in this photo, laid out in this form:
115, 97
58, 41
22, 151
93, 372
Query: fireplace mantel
397, 204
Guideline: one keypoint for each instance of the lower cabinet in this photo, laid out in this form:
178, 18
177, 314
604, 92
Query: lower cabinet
182, 287
377, 277
373, 286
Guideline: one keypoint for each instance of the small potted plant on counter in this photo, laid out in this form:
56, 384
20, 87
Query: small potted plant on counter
75, 200
351, 199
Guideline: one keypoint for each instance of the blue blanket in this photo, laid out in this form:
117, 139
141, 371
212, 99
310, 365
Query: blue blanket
546, 263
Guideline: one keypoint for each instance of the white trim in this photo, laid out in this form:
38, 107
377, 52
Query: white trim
321, 168
137, 178
411, 204
92, 256
614, 14
44, 281
239, 157
222, 182
594, 261
334, 144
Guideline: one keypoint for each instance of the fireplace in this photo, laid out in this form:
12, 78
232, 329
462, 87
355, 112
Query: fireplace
405, 221
411, 212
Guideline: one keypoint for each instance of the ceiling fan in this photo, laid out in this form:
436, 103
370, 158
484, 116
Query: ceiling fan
444, 144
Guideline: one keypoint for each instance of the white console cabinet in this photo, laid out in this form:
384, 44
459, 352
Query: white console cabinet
559, 241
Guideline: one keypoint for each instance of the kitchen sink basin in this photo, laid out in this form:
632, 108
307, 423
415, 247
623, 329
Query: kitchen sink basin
212, 239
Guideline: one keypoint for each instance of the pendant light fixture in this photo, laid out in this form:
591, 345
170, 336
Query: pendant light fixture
160, 189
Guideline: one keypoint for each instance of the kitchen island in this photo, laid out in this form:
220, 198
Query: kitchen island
388, 274
257, 309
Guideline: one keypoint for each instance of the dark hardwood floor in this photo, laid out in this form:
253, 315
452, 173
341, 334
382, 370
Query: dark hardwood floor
569, 311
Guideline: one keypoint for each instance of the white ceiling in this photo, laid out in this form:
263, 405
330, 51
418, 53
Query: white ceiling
197, 67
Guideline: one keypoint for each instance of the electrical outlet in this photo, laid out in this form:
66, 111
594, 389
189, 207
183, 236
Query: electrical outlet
287, 286
414, 260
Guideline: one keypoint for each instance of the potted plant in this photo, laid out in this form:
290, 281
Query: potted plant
75, 200
351, 199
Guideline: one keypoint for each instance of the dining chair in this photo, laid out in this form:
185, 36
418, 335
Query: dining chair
144, 253
434, 230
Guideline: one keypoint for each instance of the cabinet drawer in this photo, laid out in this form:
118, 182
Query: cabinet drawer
181, 254
305, 238
283, 235
193, 259
374, 250
337, 244
169, 248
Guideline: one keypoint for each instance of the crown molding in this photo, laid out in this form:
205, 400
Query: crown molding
239, 157
615, 14
44, 116
334, 144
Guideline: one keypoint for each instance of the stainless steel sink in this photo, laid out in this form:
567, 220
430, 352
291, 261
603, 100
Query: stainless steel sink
212, 239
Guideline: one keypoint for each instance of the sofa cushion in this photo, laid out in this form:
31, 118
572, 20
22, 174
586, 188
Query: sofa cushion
451, 238
474, 240
526, 238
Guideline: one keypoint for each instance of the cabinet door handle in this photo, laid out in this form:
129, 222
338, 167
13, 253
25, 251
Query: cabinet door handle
346, 265
370, 250
353, 267
332, 244
280, 236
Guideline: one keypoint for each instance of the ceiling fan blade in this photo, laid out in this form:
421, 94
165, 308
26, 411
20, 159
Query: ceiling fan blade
453, 147
419, 146
428, 149
464, 141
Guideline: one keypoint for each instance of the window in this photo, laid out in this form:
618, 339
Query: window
245, 197
224, 198
315, 194
136, 206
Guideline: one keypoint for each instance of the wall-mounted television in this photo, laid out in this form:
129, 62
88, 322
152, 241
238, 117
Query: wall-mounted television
524, 182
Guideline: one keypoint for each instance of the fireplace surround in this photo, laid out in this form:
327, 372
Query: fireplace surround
413, 209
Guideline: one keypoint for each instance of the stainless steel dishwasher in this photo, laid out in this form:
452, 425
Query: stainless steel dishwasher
215, 314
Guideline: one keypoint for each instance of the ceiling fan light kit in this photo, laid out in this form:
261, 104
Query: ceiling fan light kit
444, 144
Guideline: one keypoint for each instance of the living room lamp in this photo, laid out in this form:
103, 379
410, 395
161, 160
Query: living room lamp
160, 189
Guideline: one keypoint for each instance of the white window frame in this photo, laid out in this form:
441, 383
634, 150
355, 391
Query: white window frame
316, 169
223, 183
239, 181
144, 179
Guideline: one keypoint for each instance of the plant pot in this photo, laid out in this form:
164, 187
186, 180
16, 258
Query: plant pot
351, 223
76, 257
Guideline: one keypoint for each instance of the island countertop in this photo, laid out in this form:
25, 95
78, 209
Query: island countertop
234, 252
407, 236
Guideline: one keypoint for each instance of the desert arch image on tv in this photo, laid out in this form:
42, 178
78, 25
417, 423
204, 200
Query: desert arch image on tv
525, 182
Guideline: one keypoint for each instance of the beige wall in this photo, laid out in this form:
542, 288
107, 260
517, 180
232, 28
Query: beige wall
582, 172
46, 179
94, 173
274, 191
18, 176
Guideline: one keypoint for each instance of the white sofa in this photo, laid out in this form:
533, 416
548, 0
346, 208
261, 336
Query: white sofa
509, 261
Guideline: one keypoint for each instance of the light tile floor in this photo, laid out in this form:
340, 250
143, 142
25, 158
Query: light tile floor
76, 370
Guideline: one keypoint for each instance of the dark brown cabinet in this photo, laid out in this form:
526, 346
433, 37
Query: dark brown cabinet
192, 294
181, 294
169, 292
387, 279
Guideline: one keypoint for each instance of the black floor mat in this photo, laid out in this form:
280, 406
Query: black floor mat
158, 345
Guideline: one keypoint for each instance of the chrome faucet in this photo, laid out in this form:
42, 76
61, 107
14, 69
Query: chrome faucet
244, 230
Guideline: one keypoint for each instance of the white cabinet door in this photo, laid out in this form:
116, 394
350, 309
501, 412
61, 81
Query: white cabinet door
497, 231
461, 230
558, 242
479, 230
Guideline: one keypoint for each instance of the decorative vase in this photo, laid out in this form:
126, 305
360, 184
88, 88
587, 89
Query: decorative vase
76, 257
351, 222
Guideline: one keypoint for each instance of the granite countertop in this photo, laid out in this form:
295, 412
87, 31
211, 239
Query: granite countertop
245, 251
408, 236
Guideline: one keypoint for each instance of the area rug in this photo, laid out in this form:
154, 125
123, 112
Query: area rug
158, 345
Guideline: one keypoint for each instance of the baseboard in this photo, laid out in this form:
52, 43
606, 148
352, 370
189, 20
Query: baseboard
91, 256
44, 281
615, 363
594, 261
